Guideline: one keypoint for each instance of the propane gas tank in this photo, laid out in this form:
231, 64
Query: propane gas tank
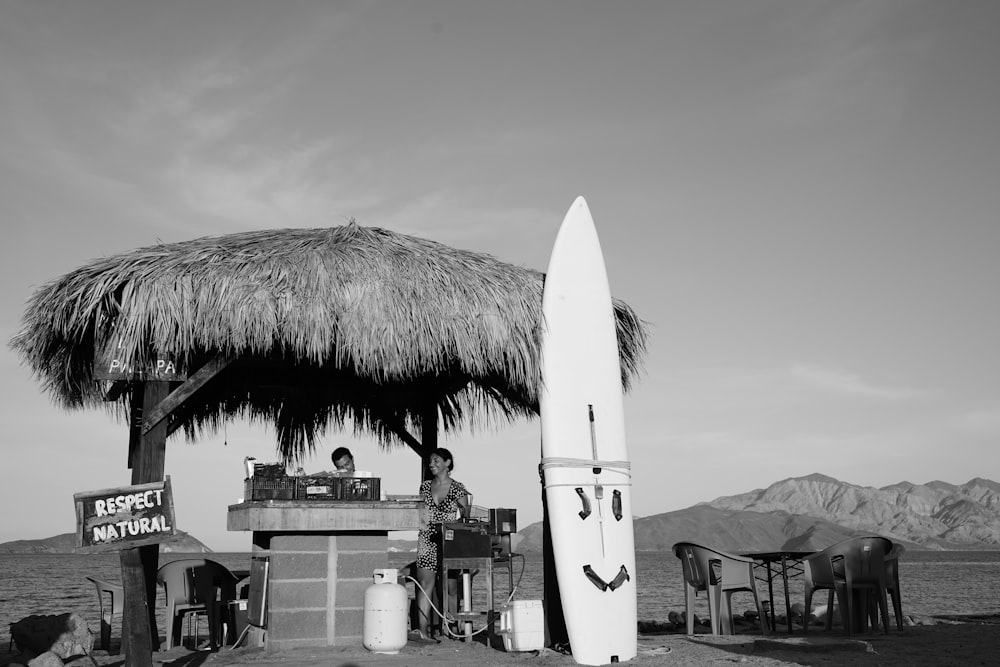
384, 622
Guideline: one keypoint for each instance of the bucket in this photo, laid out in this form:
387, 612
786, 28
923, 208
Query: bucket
522, 625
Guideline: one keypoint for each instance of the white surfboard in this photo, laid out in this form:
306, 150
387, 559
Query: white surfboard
585, 468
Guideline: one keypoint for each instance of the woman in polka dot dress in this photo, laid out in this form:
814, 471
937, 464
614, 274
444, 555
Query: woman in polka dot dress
445, 499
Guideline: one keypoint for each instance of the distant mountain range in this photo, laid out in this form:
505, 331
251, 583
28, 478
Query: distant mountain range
797, 514
812, 512
65, 543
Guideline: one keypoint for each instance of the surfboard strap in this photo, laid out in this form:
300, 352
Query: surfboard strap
595, 578
585, 512
620, 579
562, 462
587, 484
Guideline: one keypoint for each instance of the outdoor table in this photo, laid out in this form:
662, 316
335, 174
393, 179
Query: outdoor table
790, 563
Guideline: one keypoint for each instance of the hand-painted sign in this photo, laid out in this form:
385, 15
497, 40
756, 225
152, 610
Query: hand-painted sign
111, 362
124, 517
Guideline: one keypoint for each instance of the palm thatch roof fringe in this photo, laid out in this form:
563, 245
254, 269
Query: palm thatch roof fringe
329, 324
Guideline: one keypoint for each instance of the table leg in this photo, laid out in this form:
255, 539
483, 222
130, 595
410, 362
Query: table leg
442, 587
770, 596
788, 602
467, 603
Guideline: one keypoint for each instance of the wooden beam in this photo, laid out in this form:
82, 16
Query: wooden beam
115, 391
173, 426
184, 392
397, 427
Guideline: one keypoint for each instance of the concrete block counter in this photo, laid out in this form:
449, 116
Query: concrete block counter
321, 557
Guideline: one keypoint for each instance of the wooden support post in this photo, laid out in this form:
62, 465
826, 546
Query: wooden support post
136, 639
134, 425
555, 622
139, 565
428, 437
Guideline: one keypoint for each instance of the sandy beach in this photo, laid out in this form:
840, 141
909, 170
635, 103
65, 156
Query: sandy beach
968, 641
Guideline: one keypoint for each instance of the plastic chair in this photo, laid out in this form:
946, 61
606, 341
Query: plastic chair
115, 607
720, 575
849, 568
195, 586
892, 581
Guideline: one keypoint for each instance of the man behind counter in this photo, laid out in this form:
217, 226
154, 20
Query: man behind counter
343, 460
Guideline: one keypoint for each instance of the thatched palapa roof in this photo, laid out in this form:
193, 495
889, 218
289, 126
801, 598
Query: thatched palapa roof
324, 326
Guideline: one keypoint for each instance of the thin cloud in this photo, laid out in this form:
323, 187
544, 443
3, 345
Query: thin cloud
847, 384
183, 102
983, 421
292, 188
849, 69
458, 217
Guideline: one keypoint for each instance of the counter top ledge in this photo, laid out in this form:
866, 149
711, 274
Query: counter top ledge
322, 516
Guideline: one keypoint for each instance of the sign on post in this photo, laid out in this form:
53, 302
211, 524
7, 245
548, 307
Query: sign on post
112, 363
124, 517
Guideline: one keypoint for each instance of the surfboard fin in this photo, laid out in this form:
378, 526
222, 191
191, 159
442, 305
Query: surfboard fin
616, 504
595, 578
620, 579
585, 512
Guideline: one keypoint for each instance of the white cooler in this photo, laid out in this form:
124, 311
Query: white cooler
522, 625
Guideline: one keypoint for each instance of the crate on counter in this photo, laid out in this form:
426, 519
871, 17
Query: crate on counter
269, 470
337, 487
268, 488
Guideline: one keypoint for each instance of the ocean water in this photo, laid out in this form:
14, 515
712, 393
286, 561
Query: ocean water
932, 582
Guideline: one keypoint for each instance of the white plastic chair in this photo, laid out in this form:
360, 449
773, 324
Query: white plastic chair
115, 607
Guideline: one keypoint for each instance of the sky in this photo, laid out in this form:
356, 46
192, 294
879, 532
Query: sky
800, 198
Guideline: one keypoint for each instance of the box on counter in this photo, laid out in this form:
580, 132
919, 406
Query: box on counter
269, 470
265, 488
337, 487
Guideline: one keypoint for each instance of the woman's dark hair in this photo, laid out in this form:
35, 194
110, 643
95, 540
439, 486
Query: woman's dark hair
446, 455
